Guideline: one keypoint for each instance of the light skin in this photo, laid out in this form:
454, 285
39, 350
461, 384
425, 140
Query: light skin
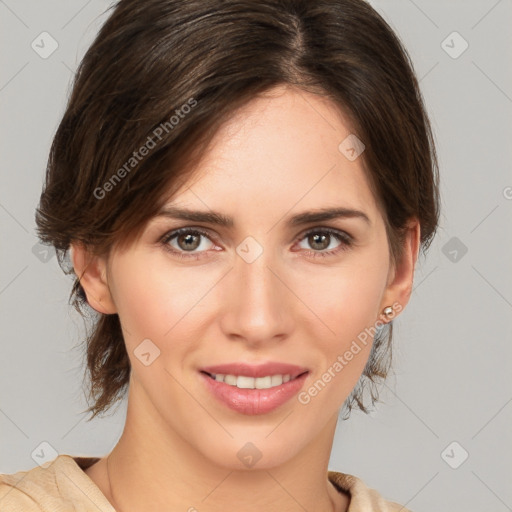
277, 157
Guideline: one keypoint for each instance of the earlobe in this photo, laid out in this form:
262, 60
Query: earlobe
399, 288
92, 273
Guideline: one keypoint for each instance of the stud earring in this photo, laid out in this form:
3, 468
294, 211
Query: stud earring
388, 310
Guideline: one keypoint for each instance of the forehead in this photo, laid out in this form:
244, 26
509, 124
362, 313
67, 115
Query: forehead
280, 152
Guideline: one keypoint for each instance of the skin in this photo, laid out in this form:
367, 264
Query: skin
278, 156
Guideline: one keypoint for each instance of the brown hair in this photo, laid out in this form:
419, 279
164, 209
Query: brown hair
165, 74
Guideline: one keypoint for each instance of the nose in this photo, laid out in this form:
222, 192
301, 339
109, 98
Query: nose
258, 306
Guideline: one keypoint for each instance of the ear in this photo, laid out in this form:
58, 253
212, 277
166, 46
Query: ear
400, 277
92, 274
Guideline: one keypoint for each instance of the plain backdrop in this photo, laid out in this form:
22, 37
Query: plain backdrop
440, 439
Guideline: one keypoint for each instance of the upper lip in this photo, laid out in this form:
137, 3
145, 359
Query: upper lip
255, 370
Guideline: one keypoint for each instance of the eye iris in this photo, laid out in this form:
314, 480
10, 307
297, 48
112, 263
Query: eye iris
188, 238
322, 244
190, 241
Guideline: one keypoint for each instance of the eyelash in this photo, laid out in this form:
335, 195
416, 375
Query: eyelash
345, 239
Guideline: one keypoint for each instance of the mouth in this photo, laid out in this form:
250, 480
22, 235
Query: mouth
250, 389
248, 382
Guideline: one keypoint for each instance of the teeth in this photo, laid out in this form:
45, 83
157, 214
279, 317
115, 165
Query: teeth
244, 382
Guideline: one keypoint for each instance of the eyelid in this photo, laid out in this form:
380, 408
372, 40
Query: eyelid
326, 229
207, 232
173, 233
346, 240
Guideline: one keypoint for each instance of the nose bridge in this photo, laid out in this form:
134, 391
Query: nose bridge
257, 303
257, 282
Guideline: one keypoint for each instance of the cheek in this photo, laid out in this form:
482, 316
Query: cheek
345, 300
141, 294
346, 306
156, 301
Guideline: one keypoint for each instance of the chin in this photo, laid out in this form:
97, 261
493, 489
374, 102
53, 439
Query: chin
253, 449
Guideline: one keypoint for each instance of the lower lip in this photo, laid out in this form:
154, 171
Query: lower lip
254, 401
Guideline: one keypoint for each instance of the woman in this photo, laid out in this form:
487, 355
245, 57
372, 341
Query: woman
243, 189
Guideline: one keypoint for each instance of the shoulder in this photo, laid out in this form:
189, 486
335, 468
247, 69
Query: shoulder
362, 497
57, 486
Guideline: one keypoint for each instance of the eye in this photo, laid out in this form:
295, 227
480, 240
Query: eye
186, 241
321, 239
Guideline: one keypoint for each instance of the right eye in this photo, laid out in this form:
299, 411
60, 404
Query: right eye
187, 240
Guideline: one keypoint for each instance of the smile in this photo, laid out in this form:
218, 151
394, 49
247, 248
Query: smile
253, 395
246, 382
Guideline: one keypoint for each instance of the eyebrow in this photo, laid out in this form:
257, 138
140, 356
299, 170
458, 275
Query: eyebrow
299, 219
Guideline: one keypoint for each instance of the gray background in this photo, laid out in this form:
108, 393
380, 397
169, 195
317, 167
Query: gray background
452, 344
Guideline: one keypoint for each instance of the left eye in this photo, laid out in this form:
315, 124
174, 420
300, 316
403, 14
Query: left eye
188, 241
321, 240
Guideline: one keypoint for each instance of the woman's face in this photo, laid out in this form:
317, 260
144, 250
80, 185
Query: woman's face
266, 287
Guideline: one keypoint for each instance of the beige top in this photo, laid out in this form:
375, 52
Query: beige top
61, 485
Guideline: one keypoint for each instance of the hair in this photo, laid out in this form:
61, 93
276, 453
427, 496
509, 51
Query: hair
165, 75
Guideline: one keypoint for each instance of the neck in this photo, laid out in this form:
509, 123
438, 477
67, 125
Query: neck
153, 468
